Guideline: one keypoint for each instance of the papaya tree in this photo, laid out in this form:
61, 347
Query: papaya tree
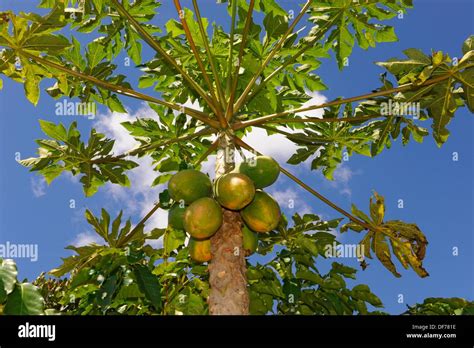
258, 74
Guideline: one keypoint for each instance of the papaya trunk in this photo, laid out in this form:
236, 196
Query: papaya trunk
227, 269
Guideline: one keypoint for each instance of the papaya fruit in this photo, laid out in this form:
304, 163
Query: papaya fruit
189, 185
234, 190
263, 170
176, 217
262, 214
250, 240
200, 250
203, 218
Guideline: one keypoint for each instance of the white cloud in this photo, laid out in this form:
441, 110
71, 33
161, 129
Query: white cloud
38, 186
86, 238
342, 177
289, 199
208, 166
316, 99
140, 197
110, 124
275, 145
343, 174
75, 179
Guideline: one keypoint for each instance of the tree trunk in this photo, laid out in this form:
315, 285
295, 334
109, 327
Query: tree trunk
227, 269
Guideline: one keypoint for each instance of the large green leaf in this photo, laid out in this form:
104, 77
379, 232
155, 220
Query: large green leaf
8, 274
24, 300
189, 303
49, 43
356, 21
440, 100
173, 239
328, 142
66, 152
149, 285
362, 292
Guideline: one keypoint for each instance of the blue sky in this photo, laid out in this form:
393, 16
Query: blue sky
437, 191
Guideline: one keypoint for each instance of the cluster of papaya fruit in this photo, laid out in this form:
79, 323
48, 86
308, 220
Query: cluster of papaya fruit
199, 202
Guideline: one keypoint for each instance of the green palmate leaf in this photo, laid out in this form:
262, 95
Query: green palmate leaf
146, 81
85, 254
347, 272
33, 34
31, 85
130, 292
149, 285
91, 180
467, 77
107, 290
266, 6
115, 235
269, 287
175, 28
69, 263
260, 304
442, 109
134, 47
75, 56
334, 282
359, 213
356, 21
58, 132
440, 100
50, 173
46, 42
309, 234
24, 300
307, 244
95, 54
116, 105
468, 45
309, 276
275, 26
8, 274
329, 142
101, 227
173, 239
416, 62
362, 292
189, 303
163, 139
66, 152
